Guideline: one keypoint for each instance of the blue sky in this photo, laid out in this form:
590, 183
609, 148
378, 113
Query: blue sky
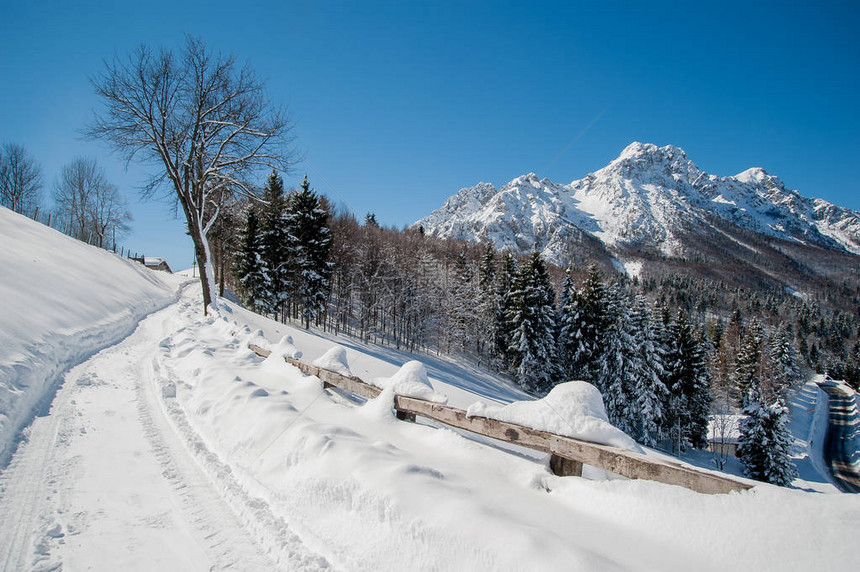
398, 105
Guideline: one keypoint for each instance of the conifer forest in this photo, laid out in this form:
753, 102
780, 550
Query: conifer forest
666, 351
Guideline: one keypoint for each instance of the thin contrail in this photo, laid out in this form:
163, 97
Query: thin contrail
342, 198
575, 139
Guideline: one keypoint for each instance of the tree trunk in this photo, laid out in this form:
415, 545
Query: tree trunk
200, 253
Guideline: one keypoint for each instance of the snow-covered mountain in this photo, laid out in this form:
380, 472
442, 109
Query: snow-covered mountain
649, 199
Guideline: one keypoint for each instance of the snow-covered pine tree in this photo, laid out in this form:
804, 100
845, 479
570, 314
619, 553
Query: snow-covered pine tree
533, 323
619, 363
687, 379
782, 357
649, 391
566, 343
699, 393
765, 444
275, 246
502, 332
426, 306
586, 321
487, 269
310, 246
249, 266
748, 367
486, 306
462, 308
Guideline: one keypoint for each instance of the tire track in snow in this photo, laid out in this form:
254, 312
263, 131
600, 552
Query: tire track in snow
23, 488
106, 477
229, 543
273, 533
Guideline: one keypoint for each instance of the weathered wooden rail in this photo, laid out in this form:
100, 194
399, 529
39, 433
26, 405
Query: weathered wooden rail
567, 455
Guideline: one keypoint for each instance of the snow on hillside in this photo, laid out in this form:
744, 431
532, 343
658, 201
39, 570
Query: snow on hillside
179, 449
372, 493
649, 196
60, 300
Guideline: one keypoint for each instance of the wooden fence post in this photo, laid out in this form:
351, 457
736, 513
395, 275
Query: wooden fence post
567, 454
564, 467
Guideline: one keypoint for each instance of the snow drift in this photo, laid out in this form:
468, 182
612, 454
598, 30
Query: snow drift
573, 409
61, 300
370, 493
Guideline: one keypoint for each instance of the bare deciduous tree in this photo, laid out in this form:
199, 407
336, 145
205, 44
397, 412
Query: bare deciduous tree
109, 216
20, 179
72, 194
205, 121
92, 207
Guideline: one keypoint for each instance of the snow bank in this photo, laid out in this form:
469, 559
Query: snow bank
367, 493
60, 301
334, 360
573, 409
411, 381
284, 348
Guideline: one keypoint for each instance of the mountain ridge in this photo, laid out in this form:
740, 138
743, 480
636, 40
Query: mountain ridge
649, 199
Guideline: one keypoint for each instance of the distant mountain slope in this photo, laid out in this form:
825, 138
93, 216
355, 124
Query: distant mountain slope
649, 200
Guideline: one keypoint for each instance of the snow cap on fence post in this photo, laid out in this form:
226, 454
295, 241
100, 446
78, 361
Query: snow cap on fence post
411, 381
284, 348
573, 409
334, 360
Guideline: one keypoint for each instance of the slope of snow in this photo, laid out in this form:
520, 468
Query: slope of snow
367, 492
60, 300
105, 483
649, 196
180, 449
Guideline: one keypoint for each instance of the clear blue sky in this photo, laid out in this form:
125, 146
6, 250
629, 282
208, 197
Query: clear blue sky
400, 104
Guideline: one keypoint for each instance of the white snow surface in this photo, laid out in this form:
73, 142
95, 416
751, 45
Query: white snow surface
572, 409
60, 301
177, 448
411, 381
284, 348
648, 197
334, 360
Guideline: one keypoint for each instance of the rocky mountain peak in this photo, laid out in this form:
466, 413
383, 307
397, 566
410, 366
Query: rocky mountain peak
652, 198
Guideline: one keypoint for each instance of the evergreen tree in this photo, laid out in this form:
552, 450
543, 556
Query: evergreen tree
748, 368
619, 363
566, 343
249, 266
585, 322
782, 356
310, 242
275, 246
487, 270
649, 391
533, 323
502, 330
487, 300
765, 444
462, 306
687, 380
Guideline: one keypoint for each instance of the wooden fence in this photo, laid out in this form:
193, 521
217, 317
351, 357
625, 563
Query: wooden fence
567, 455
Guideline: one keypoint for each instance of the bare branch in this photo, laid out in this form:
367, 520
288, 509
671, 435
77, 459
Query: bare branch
206, 124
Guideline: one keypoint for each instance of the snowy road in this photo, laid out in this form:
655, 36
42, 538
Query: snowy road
106, 481
843, 436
